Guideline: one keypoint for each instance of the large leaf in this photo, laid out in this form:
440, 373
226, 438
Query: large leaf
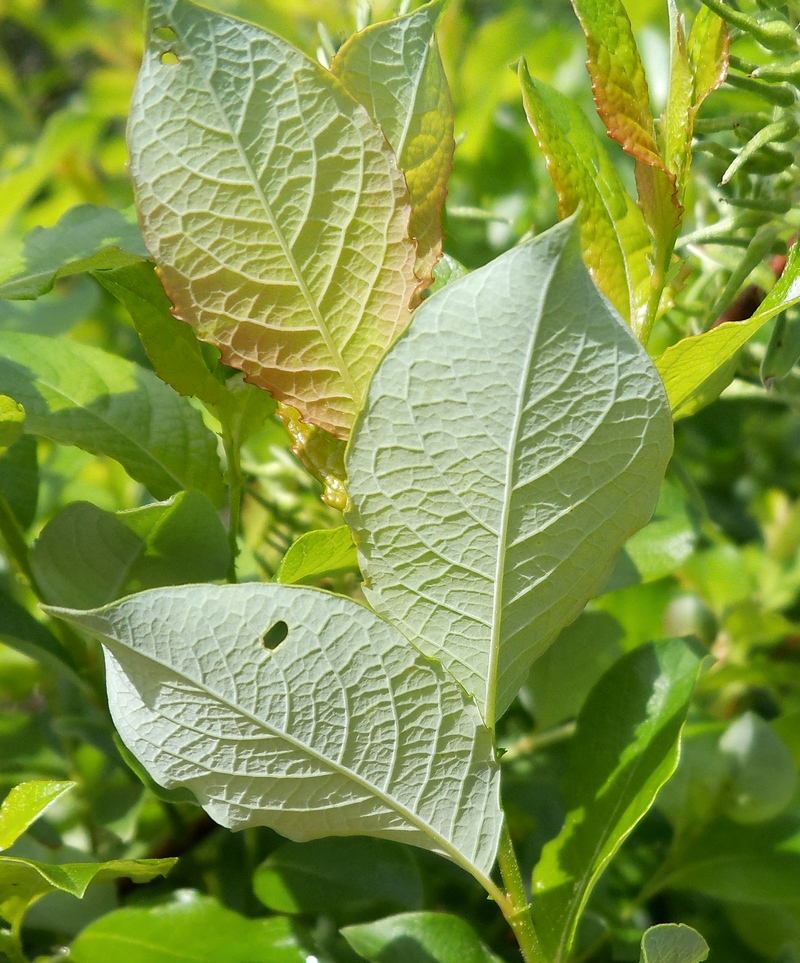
192, 928
24, 804
511, 441
77, 395
691, 368
299, 710
615, 239
273, 206
394, 69
85, 557
418, 938
625, 748
87, 238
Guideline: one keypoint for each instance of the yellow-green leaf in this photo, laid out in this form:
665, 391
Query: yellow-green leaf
12, 418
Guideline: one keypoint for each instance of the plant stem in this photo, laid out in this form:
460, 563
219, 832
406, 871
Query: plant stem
517, 910
235, 484
526, 745
14, 537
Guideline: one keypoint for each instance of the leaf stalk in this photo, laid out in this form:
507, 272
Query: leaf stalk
517, 908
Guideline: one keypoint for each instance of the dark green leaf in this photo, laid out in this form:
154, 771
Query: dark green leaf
19, 479
20, 630
418, 938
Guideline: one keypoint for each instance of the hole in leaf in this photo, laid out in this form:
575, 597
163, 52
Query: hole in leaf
165, 33
169, 57
273, 637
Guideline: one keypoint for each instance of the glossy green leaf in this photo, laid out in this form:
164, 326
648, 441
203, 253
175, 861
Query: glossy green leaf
86, 557
192, 928
691, 367
12, 419
484, 526
87, 238
171, 345
25, 804
299, 710
757, 864
624, 749
673, 943
77, 395
326, 875
418, 938
614, 238
317, 555
273, 206
19, 479
24, 881
394, 69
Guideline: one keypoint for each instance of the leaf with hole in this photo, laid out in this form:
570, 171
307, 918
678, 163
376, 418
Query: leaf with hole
299, 710
273, 206
482, 529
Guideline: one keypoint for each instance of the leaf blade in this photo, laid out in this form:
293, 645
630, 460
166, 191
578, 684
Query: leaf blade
24, 804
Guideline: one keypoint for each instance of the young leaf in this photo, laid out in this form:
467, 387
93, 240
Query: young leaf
511, 441
708, 48
673, 943
692, 368
25, 804
418, 938
170, 344
299, 710
625, 748
317, 555
192, 928
319, 453
615, 240
77, 395
328, 874
678, 117
394, 69
86, 557
87, 238
273, 206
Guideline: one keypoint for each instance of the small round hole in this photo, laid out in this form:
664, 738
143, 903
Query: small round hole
165, 33
169, 57
273, 637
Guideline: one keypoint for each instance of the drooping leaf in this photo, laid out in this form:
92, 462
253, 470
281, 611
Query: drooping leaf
394, 69
691, 368
191, 928
673, 943
317, 555
273, 206
24, 804
19, 479
511, 441
615, 240
74, 394
418, 938
12, 419
624, 749
86, 557
24, 881
171, 345
325, 875
87, 238
317, 718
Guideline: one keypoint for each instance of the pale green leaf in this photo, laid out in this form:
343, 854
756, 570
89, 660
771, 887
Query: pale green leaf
302, 711
447, 269
191, 928
614, 238
87, 238
394, 69
317, 555
74, 394
85, 557
418, 938
12, 419
708, 49
624, 749
273, 206
24, 804
512, 440
694, 370
673, 943
170, 344
327, 875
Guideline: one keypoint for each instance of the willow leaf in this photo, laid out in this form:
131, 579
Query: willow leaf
512, 440
394, 69
341, 728
273, 206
